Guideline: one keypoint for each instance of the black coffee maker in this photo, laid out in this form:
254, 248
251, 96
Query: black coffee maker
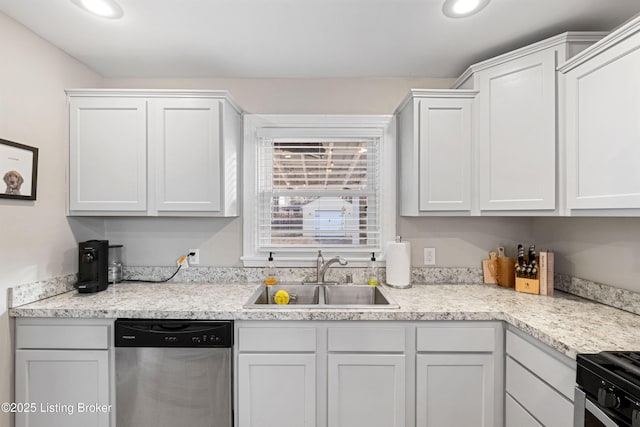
93, 260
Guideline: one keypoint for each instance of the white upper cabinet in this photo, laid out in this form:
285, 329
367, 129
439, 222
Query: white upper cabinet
152, 153
516, 122
435, 145
185, 137
488, 146
107, 154
602, 125
517, 134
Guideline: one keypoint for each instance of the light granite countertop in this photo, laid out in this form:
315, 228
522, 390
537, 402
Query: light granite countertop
567, 323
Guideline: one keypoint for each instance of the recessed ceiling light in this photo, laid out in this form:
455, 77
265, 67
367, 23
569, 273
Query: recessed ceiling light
463, 8
103, 8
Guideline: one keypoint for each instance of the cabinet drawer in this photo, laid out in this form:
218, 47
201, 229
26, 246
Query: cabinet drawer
556, 373
542, 401
66, 336
456, 339
366, 339
517, 416
277, 339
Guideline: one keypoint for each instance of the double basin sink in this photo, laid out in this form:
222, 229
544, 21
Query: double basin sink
323, 296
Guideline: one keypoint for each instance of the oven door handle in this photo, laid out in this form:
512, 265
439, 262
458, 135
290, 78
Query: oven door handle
599, 414
578, 408
582, 404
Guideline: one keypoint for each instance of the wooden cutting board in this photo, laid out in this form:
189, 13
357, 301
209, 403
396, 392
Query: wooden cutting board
489, 268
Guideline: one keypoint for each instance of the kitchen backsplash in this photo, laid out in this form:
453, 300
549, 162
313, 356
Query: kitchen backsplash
256, 275
605, 294
30, 292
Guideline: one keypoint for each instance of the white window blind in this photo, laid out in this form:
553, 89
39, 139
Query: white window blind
319, 193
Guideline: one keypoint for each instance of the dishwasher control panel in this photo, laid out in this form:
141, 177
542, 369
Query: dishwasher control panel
173, 333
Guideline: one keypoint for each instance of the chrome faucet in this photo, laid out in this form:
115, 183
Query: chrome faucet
322, 266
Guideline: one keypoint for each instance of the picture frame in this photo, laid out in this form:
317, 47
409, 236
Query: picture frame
19, 170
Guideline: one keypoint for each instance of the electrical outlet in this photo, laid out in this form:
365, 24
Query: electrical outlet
194, 259
429, 256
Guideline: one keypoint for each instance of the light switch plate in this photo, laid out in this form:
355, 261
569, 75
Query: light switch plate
429, 256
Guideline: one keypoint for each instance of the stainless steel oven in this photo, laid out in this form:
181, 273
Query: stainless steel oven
589, 414
608, 390
173, 373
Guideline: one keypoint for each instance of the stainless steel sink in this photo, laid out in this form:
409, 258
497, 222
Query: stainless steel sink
354, 295
298, 295
321, 296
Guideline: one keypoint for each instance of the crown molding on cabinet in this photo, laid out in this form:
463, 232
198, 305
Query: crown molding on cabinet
568, 37
435, 93
156, 93
618, 35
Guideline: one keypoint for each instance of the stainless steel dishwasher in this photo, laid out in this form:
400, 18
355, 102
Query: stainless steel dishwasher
173, 373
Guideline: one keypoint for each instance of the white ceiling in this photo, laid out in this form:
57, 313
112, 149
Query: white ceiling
304, 38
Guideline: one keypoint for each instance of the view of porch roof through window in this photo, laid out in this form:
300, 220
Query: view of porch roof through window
326, 165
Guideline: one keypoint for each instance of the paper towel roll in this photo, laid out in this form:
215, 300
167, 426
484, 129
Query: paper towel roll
398, 264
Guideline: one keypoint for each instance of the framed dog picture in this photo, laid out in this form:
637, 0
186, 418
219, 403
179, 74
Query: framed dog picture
19, 170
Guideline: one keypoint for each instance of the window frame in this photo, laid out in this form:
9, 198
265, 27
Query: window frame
257, 126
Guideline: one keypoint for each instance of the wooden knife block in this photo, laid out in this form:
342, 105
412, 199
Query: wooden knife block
530, 286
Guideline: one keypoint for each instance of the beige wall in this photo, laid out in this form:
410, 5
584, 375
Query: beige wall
605, 250
463, 241
37, 242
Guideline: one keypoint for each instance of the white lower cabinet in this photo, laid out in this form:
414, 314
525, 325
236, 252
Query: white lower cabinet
67, 388
276, 374
369, 373
64, 372
539, 384
366, 390
516, 415
446, 383
277, 390
458, 374
320, 373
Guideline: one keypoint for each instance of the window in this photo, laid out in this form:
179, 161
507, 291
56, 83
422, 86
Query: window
315, 182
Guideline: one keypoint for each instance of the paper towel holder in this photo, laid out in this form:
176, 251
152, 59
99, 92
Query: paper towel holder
402, 277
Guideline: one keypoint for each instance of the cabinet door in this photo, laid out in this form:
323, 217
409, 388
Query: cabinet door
455, 390
107, 154
366, 390
62, 384
517, 134
184, 136
516, 416
540, 400
602, 119
445, 154
276, 390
